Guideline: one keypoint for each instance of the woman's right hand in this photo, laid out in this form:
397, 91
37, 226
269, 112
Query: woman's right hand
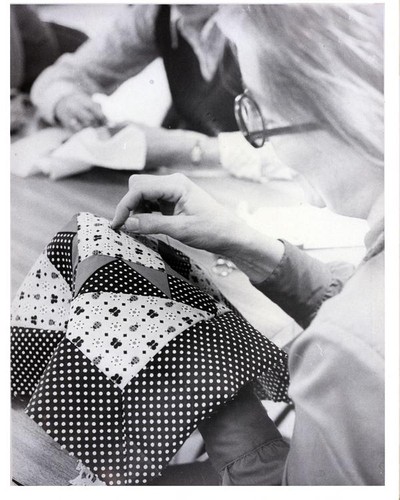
182, 210
78, 111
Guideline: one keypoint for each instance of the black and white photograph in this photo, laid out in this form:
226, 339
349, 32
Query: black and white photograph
197, 246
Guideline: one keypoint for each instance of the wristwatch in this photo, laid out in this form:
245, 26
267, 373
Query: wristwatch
196, 155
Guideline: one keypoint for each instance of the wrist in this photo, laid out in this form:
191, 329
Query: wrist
256, 254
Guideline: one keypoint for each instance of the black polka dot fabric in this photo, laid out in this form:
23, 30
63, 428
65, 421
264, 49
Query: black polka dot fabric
31, 350
59, 253
161, 407
175, 258
118, 277
188, 294
133, 369
82, 411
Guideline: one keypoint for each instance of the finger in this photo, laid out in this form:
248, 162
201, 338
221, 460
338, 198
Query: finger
86, 117
175, 226
72, 123
150, 188
94, 110
98, 114
75, 121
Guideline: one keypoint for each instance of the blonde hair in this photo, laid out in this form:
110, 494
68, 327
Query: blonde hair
326, 60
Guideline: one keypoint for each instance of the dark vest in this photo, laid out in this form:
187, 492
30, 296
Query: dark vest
198, 105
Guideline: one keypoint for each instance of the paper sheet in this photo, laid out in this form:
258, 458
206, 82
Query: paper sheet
307, 226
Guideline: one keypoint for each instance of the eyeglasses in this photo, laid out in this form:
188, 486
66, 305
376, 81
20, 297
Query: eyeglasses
252, 125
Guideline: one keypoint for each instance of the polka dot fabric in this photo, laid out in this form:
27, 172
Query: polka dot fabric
188, 294
82, 411
175, 258
190, 378
31, 350
59, 253
118, 277
123, 372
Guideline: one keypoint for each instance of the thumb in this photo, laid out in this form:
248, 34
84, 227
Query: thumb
176, 226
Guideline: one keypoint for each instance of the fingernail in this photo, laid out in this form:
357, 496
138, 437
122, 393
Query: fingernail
132, 224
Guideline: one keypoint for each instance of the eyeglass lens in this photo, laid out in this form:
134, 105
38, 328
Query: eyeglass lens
252, 120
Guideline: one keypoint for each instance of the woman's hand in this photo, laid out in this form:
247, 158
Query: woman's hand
182, 210
185, 212
78, 111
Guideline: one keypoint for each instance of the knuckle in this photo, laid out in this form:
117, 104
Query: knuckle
133, 180
180, 181
179, 177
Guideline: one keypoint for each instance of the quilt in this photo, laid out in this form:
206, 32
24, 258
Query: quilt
123, 345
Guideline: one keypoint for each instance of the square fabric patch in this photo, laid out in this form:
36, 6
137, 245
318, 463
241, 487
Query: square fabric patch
125, 345
120, 333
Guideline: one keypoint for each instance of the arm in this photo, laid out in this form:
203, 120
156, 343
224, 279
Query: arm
102, 63
298, 283
175, 147
17, 56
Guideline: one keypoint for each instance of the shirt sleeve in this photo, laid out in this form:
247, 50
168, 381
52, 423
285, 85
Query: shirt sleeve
243, 443
300, 284
101, 64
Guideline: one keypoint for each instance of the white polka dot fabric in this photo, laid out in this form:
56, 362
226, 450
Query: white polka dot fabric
145, 357
31, 350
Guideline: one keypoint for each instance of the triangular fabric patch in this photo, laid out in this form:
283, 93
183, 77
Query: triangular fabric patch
175, 258
43, 301
87, 267
59, 253
158, 278
118, 277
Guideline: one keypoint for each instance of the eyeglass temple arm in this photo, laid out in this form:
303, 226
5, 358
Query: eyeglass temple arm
289, 129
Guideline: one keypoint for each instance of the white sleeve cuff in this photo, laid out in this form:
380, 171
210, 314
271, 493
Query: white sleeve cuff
238, 157
241, 160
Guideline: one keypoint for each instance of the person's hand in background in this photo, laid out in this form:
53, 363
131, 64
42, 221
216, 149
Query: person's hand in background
18, 110
78, 111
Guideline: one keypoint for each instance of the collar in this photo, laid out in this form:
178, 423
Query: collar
197, 24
